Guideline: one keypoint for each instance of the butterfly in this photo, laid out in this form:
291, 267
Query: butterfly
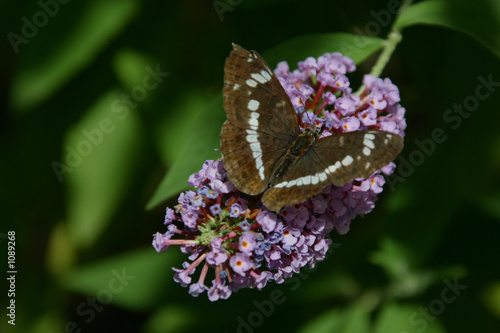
264, 150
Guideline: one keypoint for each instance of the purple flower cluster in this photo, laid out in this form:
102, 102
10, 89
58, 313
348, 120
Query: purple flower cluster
321, 88
232, 239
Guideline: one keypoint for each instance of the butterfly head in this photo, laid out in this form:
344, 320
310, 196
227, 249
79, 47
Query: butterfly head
312, 125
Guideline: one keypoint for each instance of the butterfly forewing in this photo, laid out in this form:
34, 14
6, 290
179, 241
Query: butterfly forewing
261, 121
253, 95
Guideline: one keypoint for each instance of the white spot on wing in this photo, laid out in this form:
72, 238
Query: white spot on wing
333, 168
280, 104
367, 151
283, 184
370, 136
251, 83
259, 78
253, 105
266, 75
260, 167
253, 121
255, 146
322, 176
236, 86
306, 180
388, 137
347, 160
253, 139
369, 143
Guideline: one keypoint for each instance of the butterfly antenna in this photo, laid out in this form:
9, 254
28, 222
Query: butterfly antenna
300, 111
308, 119
301, 123
309, 123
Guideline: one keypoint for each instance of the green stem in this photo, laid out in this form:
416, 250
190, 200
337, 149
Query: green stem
390, 44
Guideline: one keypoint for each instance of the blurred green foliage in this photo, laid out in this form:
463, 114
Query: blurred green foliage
108, 106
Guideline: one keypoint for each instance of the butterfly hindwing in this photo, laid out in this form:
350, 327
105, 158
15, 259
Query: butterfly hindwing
336, 159
357, 154
301, 182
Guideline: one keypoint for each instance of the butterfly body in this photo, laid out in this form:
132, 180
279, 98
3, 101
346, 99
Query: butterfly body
264, 150
299, 147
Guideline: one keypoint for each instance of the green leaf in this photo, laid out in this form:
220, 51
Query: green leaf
358, 48
172, 318
101, 153
130, 67
133, 280
176, 127
51, 59
196, 149
478, 20
491, 298
399, 263
404, 318
490, 205
340, 284
204, 131
395, 258
355, 319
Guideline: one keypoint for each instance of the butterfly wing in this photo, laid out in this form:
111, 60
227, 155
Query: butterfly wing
250, 86
304, 179
249, 158
336, 159
261, 121
357, 154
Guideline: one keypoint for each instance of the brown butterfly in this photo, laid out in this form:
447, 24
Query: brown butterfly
264, 150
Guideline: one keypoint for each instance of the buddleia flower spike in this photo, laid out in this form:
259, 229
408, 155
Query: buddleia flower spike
301, 156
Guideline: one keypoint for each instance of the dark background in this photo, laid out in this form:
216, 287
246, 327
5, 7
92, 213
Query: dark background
74, 235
